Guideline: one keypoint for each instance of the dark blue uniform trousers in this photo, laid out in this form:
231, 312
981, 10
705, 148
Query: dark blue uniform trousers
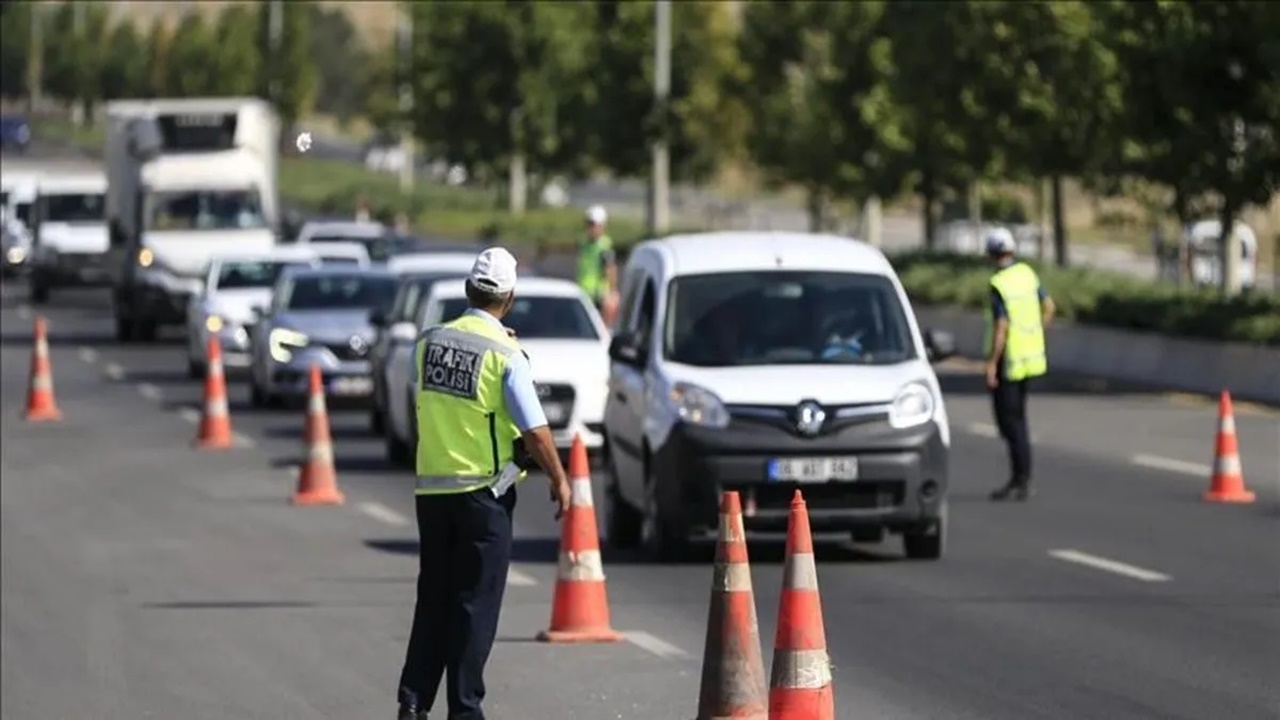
462, 573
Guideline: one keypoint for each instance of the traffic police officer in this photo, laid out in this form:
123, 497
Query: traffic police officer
1018, 312
480, 427
597, 268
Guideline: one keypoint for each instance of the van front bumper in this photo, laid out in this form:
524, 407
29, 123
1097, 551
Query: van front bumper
901, 481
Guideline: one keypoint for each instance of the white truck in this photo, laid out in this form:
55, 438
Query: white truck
187, 180
68, 233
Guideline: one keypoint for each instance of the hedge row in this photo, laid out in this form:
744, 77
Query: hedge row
1101, 298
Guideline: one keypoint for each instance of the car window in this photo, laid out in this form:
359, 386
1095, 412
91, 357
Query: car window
785, 318
412, 296
324, 292
79, 207
251, 274
339, 260
538, 317
631, 285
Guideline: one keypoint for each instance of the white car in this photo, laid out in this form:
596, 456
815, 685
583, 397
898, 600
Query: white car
235, 285
567, 344
431, 262
766, 362
340, 253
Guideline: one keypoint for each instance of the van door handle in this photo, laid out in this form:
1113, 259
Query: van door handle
620, 396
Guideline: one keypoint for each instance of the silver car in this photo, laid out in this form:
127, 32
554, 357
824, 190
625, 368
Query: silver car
318, 317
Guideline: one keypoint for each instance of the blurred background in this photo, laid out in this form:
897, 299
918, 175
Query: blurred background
1117, 139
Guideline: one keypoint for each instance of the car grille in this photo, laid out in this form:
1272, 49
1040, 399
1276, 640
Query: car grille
344, 351
557, 395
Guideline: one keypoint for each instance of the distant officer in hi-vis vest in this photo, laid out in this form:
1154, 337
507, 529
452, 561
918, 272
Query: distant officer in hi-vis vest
480, 428
1018, 312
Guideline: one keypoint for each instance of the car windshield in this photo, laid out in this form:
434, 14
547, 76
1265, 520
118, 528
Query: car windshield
86, 207
206, 210
338, 260
538, 317
413, 291
321, 292
252, 274
785, 318
379, 248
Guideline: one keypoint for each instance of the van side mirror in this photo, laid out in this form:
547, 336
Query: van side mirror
939, 344
625, 348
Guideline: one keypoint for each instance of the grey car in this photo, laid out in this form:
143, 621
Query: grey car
318, 317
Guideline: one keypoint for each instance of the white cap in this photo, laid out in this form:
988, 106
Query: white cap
999, 241
494, 270
596, 215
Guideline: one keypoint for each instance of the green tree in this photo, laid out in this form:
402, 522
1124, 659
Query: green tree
490, 82
288, 76
192, 67
15, 47
124, 68
159, 42
236, 51
341, 61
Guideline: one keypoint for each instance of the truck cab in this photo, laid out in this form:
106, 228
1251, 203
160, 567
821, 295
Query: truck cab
68, 233
189, 179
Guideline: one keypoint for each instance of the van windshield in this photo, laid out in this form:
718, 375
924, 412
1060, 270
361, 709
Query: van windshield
81, 207
205, 210
786, 318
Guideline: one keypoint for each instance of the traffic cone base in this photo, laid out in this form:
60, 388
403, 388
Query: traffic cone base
1227, 484
317, 478
580, 606
41, 405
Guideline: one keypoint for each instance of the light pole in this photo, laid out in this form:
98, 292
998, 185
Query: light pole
660, 190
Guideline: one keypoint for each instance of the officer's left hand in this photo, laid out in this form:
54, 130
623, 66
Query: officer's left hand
992, 377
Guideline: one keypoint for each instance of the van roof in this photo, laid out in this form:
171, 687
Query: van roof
525, 287
715, 252
84, 182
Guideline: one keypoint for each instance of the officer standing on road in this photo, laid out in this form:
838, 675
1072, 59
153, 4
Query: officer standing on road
480, 427
597, 267
1019, 311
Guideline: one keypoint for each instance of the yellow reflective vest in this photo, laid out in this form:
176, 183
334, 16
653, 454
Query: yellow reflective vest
1024, 350
591, 275
465, 434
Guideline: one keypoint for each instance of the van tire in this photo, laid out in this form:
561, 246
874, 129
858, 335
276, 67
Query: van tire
622, 521
664, 539
929, 540
39, 288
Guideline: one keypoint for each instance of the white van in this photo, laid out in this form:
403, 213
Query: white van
17, 199
69, 233
765, 362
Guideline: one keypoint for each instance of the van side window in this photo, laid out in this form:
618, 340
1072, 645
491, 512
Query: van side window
644, 318
630, 291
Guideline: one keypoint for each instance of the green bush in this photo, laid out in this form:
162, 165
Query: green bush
1101, 298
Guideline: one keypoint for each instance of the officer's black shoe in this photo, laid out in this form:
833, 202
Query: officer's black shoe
1013, 490
411, 712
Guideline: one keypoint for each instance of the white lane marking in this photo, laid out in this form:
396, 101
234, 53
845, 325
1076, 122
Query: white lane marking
24, 312
242, 440
655, 645
984, 429
381, 512
189, 414
88, 354
114, 372
1111, 566
515, 578
149, 391
1172, 465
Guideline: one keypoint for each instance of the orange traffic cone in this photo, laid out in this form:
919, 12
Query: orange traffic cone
580, 609
41, 406
317, 479
800, 686
215, 424
1227, 484
732, 669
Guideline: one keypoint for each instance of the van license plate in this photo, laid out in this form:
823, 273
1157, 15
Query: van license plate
813, 470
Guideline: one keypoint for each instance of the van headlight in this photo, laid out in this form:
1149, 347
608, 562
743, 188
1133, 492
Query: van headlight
698, 406
281, 340
214, 323
912, 406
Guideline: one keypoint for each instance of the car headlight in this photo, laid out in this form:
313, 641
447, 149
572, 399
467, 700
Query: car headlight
17, 255
698, 406
214, 323
913, 405
281, 339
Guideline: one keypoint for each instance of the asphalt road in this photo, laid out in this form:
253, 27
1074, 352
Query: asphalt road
141, 578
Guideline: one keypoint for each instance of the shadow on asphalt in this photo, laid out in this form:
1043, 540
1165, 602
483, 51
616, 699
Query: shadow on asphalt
23, 338
344, 431
229, 605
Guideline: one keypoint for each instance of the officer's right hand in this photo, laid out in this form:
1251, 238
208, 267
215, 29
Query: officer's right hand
562, 496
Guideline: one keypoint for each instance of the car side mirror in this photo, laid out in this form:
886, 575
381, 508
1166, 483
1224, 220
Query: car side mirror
404, 332
939, 344
378, 317
625, 348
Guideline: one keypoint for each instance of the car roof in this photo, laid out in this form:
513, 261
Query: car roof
347, 228
431, 262
525, 287
281, 253
83, 182
745, 251
334, 270
340, 249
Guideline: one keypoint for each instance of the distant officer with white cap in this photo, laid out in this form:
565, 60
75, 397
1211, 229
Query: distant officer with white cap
480, 428
1018, 312
597, 266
